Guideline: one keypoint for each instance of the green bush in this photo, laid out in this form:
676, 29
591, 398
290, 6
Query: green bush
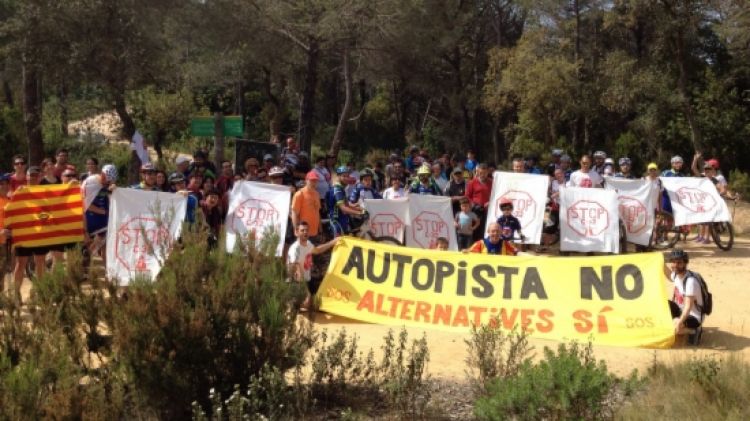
212, 320
494, 354
739, 182
567, 384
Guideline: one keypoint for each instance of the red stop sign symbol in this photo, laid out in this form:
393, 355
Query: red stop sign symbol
253, 215
138, 242
427, 228
633, 214
588, 218
387, 225
524, 206
696, 200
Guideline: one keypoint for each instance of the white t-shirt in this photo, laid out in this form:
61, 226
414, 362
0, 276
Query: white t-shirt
302, 255
689, 288
582, 179
391, 193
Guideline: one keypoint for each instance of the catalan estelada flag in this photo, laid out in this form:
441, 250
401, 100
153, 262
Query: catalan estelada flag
45, 215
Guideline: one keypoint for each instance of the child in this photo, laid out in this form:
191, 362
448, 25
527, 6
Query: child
214, 216
509, 224
466, 222
442, 243
300, 260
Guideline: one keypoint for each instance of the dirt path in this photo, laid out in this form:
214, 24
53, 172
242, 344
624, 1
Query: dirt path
727, 330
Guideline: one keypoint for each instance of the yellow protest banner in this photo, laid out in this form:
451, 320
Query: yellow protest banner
612, 300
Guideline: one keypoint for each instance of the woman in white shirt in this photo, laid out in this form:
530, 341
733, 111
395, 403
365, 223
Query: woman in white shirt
395, 191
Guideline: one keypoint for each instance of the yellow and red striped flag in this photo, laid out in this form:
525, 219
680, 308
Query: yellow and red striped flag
45, 215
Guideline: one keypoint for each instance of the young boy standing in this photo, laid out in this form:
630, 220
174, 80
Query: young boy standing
466, 222
300, 259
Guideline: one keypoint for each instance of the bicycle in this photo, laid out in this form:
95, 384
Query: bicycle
723, 232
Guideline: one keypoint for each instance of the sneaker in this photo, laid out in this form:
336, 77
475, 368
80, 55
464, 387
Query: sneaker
698, 239
706, 241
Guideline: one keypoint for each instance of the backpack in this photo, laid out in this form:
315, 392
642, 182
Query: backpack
708, 300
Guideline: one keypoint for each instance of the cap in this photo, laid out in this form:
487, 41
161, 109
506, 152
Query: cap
268, 157
600, 154
676, 158
505, 202
147, 168
312, 175
557, 152
276, 171
652, 166
176, 177
609, 161
366, 173
110, 172
181, 160
624, 161
457, 170
34, 169
424, 170
343, 170
714, 163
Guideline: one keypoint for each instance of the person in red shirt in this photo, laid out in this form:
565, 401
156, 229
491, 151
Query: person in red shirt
478, 192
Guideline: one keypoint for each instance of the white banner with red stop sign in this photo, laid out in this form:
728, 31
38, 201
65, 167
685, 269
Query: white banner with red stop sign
430, 217
528, 193
695, 200
142, 228
257, 210
589, 220
388, 217
636, 207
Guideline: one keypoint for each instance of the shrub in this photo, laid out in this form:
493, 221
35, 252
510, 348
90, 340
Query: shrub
696, 388
211, 320
739, 182
494, 354
567, 384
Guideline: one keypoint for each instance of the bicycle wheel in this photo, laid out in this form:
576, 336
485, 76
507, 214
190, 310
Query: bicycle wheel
666, 234
723, 235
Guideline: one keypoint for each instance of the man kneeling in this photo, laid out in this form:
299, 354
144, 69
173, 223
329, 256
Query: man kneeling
687, 301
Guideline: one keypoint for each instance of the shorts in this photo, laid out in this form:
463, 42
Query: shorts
691, 322
62, 247
30, 251
464, 241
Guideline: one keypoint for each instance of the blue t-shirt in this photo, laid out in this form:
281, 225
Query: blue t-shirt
192, 204
336, 197
94, 221
364, 192
465, 219
509, 225
470, 165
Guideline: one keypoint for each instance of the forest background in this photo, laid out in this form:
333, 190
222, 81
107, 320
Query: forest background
642, 78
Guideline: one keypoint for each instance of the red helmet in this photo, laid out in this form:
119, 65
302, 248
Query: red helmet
714, 163
506, 202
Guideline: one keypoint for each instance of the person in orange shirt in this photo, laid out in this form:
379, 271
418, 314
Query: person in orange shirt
306, 204
493, 243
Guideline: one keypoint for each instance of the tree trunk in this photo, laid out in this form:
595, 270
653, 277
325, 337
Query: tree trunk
32, 114
8, 93
497, 142
307, 104
128, 130
218, 138
159, 138
338, 137
63, 97
687, 106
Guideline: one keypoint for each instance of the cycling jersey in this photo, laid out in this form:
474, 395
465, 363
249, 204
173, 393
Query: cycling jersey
334, 199
419, 188
97, 223
360, 192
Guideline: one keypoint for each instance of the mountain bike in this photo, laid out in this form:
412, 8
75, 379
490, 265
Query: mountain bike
723, 232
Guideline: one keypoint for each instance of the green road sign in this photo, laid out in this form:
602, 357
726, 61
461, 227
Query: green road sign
204, 126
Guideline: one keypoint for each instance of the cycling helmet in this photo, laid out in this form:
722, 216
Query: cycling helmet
147, 168
424, 170
366, 173
713, 162
343, 170
624, 161
176, 177
506, 202
110, 172
678, 254
565, 158
557, 152
600, 154
609, 161
276, 171
675, 159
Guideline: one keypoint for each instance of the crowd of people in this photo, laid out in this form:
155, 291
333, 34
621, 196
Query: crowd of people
322, 189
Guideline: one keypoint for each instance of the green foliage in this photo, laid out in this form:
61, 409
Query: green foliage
523, 146
12, 136
704, 387
212, 320
495, 354
567, 384
739, 182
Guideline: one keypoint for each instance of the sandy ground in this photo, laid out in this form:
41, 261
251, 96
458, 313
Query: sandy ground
726, 331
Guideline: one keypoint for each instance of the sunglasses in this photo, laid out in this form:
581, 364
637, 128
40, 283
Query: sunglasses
19, 163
